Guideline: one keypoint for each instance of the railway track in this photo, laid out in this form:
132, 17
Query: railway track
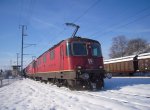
130, 94
27, 93
104, 94
125, 98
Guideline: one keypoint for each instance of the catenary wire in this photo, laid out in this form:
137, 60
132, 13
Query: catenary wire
121, 26
86, 11
114, 25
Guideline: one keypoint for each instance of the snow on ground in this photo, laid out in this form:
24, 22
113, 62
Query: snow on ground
6, 82
118, 94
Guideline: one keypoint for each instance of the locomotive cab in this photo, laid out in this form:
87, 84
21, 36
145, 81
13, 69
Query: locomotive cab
87, 61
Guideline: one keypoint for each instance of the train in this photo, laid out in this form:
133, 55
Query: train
138, 65
76, 63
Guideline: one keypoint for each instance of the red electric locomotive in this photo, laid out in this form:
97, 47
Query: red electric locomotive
75, 62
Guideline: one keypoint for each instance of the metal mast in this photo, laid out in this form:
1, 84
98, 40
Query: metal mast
23, 27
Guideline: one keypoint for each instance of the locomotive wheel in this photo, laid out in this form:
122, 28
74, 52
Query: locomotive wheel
71, 84
45, 81
100, 84
65, 83
53, 81
57, 83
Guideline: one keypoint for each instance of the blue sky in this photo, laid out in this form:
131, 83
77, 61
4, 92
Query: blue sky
45, 19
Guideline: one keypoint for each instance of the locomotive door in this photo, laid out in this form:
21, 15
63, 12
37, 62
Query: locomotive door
34, 67
61, 57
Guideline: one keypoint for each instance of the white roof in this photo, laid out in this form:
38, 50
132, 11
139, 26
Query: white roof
127, 58
144, 56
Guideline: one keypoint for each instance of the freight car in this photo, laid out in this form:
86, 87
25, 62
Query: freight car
129, 65
75, 62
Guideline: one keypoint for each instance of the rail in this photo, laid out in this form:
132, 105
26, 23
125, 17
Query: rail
1, 81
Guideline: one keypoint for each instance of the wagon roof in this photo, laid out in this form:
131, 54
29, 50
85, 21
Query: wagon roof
144, 56
127, 58
121, 59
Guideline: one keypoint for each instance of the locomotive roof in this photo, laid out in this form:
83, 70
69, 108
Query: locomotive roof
127, 58
70, 39
82, 39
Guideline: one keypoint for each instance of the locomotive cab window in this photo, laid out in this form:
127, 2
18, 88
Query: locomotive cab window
96, 50
79, 49
44, 58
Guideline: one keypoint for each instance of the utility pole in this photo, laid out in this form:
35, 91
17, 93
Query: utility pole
76, 28
23, 27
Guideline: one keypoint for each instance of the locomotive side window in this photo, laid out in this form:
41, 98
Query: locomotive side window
52, 54
96, 51
79, 49
38, 61
44, 58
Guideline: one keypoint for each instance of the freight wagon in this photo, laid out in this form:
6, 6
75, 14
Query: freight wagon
129, 65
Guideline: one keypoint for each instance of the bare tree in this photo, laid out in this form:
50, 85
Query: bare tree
136, 46
118, 47
148, 48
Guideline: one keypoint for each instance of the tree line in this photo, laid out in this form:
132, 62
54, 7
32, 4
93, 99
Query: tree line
121, 47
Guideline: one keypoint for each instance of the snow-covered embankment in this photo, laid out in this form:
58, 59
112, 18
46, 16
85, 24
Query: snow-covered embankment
118, 94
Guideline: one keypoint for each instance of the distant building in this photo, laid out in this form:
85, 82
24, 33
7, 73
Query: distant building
1, 71
15, 70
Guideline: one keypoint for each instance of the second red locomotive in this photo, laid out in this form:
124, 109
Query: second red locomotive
75, 62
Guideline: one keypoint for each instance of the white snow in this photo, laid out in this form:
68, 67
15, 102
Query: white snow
118, 94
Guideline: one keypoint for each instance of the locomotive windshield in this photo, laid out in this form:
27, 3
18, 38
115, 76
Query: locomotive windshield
96, 50
79, 49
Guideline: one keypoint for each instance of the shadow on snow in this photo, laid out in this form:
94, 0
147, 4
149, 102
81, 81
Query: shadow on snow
117, 83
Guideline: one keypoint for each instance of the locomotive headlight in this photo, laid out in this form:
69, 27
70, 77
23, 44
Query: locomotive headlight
100, 67
79, 67
85, 76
